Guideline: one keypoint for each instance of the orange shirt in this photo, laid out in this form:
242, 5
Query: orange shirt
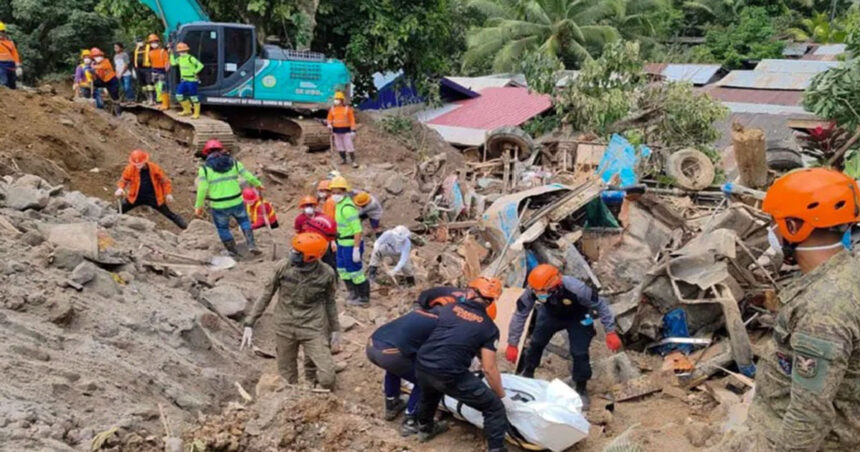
159, 58
131, 180
341, 117
8, 51
104, 70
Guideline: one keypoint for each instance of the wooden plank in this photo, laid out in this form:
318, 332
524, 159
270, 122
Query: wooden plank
506, 306
638, 387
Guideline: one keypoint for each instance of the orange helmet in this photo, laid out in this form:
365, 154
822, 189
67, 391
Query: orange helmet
323, 185
492, 310
95, 51
362, 199
182, 47
308, 201
809, 199
490, 288
153, 38
544, 277
312, 245
138, 157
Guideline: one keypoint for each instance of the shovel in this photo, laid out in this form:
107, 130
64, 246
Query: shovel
269, 227
214, 263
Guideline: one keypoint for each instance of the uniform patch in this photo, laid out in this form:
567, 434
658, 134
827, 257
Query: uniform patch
567, 302
806, 367
784, 362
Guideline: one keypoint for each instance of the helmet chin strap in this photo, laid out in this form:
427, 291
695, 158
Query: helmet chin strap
845, 242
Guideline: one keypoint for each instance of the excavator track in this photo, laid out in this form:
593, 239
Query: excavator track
191, 132
308, 133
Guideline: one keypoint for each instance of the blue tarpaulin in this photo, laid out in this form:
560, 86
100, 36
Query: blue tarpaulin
675, 325
618, 166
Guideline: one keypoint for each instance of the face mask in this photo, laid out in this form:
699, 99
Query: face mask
322, 195
154, 45
542, 297
297, 258
99, 59
773, 240
309, 210
338, 198
88, 60
139, 166
337, 102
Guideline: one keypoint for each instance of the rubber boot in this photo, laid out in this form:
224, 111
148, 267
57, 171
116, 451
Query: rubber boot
196, 114
428, 432
498, 449
249, 240
352, 157
150, 97
583, 394
230, 245
342, 158
186, 108
410, 281
165, 102
409, 427
528, 372
364, 292
352, 293
393, 407
371, 272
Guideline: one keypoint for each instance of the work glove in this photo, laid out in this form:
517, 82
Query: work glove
118, 193
511, 354
336, 341
613, 341
19, 71
247, 335
508, 403
169, 199
198, 212
356, 254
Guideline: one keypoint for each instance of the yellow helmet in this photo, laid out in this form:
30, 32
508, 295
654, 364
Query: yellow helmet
339, 182
2, 26
362, 199
339, 95
85, 53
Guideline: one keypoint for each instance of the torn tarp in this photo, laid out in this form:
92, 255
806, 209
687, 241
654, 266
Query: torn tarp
618, 166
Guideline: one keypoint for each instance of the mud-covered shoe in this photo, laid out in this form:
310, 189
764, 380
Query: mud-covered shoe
393, 407
409, 427
581, 389
428, 432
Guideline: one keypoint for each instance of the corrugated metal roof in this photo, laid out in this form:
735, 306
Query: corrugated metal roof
830, 49
655, 68
460, 136
496, 107
769, 109
767, 80
697, 74
794, 66
756, 96
795, 49
477, 84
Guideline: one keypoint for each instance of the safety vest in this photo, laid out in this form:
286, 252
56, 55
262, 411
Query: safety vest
223, 190
159, 58
257, 212
104, 71
189, 66
141, 56
8, 52
348, 223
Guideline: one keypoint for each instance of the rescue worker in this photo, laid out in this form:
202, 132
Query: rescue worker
807, 391
122, 63
142, 69
324, 198
159, 61
147, 185
325, 226
10, 61
83, 84
104, 77
563, 303
218, 182
350, 245
392, 347
259, 210
369, 209
308, 206
465, 329
189, 67
341, 123
439, 296
393, 243
305, 314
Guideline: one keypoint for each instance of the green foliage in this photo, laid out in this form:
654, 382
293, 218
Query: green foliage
542, 125
833, 95
752, 38
819, 28
50, 34
603, 92
540, 70
134, 18
687, 118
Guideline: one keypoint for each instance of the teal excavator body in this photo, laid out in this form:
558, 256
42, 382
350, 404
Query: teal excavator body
238, 73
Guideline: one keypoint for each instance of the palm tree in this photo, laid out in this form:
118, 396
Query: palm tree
571, 30
818, 28
636, 20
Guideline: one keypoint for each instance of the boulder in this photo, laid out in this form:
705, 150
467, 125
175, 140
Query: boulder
136, 223
83, 273
395, 184
85, 206
32, 181
66, 259
23, 198
33, 237
226, 299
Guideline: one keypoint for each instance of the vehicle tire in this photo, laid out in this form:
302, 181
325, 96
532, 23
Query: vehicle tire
782, 159
509, 137
691, 169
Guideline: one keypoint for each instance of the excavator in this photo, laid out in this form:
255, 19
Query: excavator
245, 85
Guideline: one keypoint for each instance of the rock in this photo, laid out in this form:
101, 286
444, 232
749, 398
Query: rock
269, 384
226, 299
340, 366
67, 122
698, 433
61, 312
33, 237
386, 166
31, 352
103, 284
31, 181
108, 221
84, 205
126, 276
23, 198
346, 322
136, 223
395, 184
66, 259
83, 273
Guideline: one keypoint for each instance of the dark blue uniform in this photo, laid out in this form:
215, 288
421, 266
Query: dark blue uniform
442, 367
393, 347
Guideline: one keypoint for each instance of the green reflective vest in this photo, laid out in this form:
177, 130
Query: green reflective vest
189, 66
222, 190
348, 223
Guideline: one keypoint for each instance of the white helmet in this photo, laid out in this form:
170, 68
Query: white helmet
401, 233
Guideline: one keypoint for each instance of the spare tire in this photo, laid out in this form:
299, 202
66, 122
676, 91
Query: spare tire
509, 137
783, 159
691, 169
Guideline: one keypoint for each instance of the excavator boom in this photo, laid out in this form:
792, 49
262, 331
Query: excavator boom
175, 13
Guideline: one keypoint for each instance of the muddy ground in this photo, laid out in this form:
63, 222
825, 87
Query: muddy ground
76, 363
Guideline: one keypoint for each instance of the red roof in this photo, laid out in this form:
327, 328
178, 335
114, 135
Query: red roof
494, 108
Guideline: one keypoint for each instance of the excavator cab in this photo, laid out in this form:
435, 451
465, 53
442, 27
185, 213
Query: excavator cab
227, 52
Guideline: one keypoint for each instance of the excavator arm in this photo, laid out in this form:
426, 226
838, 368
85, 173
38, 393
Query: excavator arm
175, 13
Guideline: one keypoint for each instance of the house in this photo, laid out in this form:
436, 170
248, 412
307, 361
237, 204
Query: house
392, 91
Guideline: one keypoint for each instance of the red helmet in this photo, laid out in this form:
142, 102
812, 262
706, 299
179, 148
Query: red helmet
95, 51
138, 157
321, 224
212, 146
249, 195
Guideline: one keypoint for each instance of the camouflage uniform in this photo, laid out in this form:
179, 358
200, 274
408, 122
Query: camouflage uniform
808, 385
305, 315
